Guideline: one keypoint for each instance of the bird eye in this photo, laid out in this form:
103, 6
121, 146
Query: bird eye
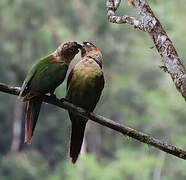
71, 49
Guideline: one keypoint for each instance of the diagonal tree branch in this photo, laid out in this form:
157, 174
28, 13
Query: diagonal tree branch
149, 23
144, 138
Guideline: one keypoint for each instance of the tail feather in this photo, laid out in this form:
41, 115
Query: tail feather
33, 107
77, 135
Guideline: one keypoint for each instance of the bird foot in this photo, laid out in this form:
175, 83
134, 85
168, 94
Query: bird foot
53, 95
63, 99
164, 68
88, 112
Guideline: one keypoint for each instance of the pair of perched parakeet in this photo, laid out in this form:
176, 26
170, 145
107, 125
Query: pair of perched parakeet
84, 86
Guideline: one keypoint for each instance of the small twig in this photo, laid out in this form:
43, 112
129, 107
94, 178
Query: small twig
112, 6
149, 23
105, 122
117, 3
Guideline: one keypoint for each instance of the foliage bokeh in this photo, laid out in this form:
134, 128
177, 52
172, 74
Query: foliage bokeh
137, 92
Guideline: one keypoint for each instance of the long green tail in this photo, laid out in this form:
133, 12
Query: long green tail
77, 134
33, 107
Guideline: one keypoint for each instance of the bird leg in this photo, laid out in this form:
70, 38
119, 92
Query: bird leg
52, 94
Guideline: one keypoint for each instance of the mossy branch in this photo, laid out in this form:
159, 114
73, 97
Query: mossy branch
144, 138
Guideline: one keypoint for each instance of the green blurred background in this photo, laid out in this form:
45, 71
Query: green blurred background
137, 93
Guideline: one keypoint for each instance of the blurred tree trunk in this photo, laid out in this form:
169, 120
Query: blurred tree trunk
158, 168
84, 145
17, 113
93, 139
17, 122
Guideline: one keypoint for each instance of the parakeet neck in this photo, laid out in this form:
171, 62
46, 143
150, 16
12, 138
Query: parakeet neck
96, 56
57, 55
60, 58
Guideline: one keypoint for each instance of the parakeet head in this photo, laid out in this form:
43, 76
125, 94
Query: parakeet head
89, 49
67, 51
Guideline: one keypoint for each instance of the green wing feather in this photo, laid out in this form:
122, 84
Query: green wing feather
44, 77
32, 73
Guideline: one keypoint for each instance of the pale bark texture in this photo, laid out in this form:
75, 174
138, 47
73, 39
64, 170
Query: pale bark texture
148, 22
17, 121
